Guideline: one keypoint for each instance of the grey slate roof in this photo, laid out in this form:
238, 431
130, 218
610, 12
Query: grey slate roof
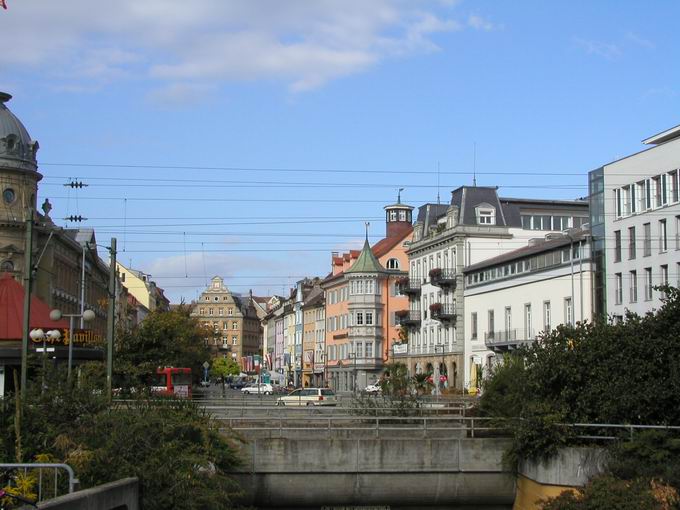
467, 198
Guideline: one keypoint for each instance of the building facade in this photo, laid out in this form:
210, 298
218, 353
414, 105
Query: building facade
362, 303
68, 273
635, 221
511, 299
476, 225
232, 325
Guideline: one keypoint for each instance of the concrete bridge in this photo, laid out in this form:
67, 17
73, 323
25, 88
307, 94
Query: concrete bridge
296, 471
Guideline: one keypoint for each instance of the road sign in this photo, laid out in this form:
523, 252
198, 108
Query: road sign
46, 349
206, 365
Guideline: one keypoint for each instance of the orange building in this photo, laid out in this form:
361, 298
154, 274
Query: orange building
361, 301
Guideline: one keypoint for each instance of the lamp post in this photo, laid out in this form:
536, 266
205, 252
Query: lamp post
86, 316
39, 334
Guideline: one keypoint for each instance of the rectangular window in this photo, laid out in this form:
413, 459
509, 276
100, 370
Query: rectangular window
633, 286
473, 325
491, 324
568, 311
234, 340
527, 321
631, 243
369, 318
546, 316
619, 288
360, 318
508, 319
663, 237
617, 246
648, 284
648, 194
640, 186
677, 232
210, 311
647, 246
369, 349
618, 199
664, 278
656, 185
673, 184
359, 350
633, 198
526, 222
664, 189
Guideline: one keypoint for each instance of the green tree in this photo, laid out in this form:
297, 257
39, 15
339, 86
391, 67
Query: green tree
173, 447
224, 367
171, 338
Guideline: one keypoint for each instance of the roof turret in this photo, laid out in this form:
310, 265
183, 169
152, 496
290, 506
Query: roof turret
17, 150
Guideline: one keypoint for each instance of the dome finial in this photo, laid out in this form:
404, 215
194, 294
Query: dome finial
4, 97
368, 224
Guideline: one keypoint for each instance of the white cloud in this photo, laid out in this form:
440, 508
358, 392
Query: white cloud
203, 43
606, 50
479, 23
640, 41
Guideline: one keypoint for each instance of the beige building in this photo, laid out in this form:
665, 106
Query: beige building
232, 320
143, 289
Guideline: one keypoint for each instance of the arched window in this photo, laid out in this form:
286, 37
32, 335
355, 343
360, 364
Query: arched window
392, 264
7, 266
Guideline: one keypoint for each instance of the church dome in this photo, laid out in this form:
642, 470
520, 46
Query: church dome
17, 150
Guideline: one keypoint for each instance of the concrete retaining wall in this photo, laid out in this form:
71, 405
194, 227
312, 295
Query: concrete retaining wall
119, 495
399, 472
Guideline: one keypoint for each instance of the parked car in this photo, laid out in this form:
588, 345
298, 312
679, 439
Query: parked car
309, 397
372, 389
255, 389
238, 384
280, 390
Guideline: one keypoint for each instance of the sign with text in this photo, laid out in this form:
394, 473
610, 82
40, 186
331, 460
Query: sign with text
85, 337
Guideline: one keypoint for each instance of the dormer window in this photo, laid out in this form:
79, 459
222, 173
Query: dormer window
392, 264
486, 215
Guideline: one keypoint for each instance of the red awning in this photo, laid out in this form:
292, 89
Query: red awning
12, 311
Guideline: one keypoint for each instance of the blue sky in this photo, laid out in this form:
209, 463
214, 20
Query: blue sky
385, 91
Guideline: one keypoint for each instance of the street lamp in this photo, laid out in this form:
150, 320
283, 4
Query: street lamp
39, 334
87, 316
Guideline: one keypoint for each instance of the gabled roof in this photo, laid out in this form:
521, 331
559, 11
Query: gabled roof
366, 263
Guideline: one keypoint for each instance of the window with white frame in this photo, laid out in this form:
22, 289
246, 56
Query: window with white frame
618, 280
547, 317
486, 216
648, 283
369, 318
392, 264
633, 286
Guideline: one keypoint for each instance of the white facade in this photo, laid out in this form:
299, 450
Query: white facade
510, 303
642, 225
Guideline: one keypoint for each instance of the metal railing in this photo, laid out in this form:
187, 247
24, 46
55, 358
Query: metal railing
44, 479
378, 425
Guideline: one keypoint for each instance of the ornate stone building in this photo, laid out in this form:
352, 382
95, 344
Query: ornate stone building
67, 271
232, 321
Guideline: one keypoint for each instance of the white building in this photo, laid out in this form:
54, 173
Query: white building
477, 225
512, 298
635, 221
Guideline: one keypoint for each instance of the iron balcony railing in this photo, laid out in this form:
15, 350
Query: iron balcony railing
409, 286
508, 338
443, 312
409, 318
443, 277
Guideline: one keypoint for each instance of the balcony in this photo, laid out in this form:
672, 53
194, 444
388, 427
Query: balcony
408, 286
502, 341
408, 318
443, 312
444, 278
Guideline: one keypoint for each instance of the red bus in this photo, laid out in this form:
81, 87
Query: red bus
172, 381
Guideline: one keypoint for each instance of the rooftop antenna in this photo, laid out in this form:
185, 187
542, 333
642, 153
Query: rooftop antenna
438, 200
474, 164
399, 195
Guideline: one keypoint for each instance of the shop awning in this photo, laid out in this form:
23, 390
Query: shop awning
12, 311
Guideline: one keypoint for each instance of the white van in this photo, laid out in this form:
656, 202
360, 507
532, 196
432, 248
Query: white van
309, 397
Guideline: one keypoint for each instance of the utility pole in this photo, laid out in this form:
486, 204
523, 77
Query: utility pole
28, 279
110, 319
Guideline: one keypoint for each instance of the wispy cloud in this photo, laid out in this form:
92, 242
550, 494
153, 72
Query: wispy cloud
204, 43
640, 41
479, 23
601, 49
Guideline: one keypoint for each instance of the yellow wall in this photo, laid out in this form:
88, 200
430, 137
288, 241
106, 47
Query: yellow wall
529, 493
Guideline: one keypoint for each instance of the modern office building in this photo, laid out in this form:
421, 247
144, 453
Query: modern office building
635, 223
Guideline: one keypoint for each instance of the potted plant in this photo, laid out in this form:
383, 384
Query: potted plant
435, 274
401, 313
435, 308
